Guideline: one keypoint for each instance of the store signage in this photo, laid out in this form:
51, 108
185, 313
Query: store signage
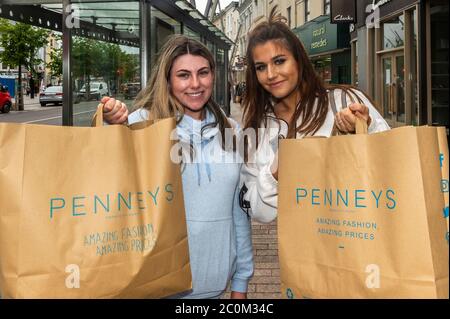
320, 36
380, 3
319, 39
343, 11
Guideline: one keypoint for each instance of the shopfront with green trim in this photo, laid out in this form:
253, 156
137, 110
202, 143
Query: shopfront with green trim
328, 46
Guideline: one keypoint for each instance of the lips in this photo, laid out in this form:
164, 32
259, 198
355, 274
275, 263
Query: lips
194, 94
275, 85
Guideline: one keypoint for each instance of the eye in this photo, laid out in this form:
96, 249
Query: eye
204, 73
260, 67
279, 61
183, 75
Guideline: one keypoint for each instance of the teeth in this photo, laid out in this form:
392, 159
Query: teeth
195, 94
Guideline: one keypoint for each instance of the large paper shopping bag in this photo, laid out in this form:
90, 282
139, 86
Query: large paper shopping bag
443, 159
91, 213
360, 216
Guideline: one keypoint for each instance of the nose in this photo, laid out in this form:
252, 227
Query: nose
271, 72
195, 81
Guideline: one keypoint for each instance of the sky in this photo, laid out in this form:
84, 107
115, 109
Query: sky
201, 4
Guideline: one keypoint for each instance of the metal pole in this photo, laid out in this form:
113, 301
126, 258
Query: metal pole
67, 109
422, 68
144, 11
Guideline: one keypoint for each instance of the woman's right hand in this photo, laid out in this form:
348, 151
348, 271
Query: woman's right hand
114, 111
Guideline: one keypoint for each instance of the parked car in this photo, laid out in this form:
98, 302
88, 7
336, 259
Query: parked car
97, 90
131, 90
5, 99
52, 94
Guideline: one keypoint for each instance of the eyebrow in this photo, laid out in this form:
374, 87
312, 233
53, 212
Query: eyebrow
274, 58
189, 71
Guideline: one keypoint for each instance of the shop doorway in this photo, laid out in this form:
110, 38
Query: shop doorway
393, 88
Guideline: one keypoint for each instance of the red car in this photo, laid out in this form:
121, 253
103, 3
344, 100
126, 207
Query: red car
5, 99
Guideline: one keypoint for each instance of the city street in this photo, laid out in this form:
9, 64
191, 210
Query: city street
34, 113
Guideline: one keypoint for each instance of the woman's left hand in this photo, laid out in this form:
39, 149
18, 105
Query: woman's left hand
238, 295
346, 119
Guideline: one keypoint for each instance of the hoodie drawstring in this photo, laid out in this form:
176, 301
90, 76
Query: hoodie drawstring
202, 160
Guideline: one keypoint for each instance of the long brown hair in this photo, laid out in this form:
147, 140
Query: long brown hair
157, 96
257, 102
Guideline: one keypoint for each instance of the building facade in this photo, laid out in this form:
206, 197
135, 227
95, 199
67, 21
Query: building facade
306, 18
227, 20
400, 54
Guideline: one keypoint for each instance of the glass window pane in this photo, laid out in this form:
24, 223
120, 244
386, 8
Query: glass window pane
414, 90
388, 108
162, 26
394, 33
191, 33
221, 80
439, 63
105, 58
400, 87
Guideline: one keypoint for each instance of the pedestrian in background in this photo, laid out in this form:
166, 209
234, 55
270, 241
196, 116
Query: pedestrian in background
32, 87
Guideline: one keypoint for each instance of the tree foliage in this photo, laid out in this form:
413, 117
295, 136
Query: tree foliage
56, 63
98, 59
21, 43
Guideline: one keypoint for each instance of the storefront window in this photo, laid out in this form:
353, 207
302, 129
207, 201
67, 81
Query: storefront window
414, 90
191, 33
394, 33
162, 26
388, 105
221, 80
399, 87
323, 68
105, 57
439, 63
212, 49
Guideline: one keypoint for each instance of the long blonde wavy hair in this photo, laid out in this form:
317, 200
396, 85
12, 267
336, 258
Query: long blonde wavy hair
157, 96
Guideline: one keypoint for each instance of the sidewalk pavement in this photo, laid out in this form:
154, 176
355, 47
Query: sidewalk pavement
29, 104
265, 283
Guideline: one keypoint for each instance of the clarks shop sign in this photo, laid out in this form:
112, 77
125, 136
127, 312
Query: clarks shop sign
343, 11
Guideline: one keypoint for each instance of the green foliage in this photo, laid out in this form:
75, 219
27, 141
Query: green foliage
56, 63
92, 58
21, 43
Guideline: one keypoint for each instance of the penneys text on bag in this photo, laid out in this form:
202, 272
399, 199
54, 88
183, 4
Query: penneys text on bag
120, 201
357, 198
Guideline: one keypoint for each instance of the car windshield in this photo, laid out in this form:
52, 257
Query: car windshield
53, 89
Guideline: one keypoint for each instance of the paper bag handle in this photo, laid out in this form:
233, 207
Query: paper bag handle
360, 126
97, 120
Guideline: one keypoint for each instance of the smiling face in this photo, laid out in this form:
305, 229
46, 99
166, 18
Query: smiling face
192, 80
276, 69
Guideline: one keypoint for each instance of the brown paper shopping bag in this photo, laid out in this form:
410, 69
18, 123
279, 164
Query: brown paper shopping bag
91, 213
443, 158
360, 216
